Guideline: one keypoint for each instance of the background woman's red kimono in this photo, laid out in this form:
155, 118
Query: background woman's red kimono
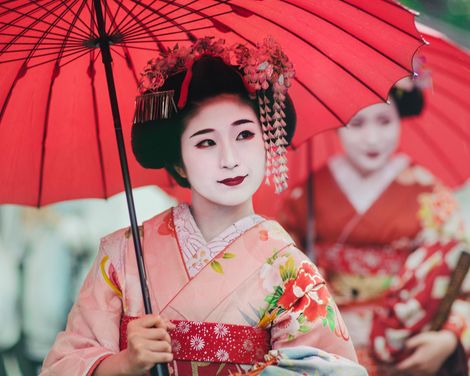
392, 243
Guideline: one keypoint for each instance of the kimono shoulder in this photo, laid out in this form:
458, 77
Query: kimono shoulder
114, 245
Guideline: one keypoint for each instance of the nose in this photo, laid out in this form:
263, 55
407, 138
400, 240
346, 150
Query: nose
372, 135
228, 156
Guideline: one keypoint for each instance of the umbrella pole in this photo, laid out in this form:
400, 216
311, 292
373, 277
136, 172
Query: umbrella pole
159, 369
310, 230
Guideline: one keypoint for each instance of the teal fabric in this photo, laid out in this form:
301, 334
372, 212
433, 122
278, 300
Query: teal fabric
305, 360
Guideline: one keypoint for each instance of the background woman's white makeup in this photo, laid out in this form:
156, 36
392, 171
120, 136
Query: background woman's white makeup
223, 151
371, 137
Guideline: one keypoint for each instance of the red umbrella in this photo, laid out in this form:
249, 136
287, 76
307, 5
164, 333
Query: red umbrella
55, 118
439, 138
55, 141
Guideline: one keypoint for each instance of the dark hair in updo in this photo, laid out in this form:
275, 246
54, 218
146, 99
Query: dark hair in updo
157, 144
409, 103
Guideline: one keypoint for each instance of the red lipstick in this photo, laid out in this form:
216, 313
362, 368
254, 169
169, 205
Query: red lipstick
373, 154
233, 181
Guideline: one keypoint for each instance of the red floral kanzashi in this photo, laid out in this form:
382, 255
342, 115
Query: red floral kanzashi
167, 227
306, 293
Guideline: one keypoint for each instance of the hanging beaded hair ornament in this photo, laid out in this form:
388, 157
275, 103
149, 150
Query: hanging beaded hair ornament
421, 79
262, 67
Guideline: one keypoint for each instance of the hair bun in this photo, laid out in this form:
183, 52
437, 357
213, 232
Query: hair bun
409, 103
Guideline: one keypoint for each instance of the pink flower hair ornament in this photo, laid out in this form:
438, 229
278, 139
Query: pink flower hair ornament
262, 68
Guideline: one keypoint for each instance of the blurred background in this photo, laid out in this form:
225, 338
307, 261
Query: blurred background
45, 253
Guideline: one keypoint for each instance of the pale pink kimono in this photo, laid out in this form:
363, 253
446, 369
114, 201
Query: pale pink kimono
252, 275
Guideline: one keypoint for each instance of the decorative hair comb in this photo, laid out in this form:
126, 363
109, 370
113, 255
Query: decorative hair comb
262, 68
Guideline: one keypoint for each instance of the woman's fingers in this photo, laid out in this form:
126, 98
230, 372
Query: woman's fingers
156, 334
151, 321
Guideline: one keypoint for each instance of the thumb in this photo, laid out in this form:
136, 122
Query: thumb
416, 341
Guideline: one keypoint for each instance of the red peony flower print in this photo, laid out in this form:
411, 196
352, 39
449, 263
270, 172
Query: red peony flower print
306, 293
167, 227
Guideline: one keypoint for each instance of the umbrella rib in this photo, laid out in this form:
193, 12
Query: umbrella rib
350, 34
109, 14
29, 28
144, 26
132, 28
61, 18
456, 98
97, 129
24, 30
459, 132
75, 50
451, 73
128, 27
21, 15
44, 137
434, 147
191, 11
33, 43
154, 49
154, 11
92, 19
27, 36
143, 39
77, 56
77, 17
55, 74
328, 108
385, 21
126, 18
41, 38
322, 53
140, 33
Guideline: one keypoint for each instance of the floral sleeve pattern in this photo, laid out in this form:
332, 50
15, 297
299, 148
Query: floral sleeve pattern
416, 295
298, 297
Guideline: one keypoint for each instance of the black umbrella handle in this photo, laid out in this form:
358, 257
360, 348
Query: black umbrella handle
158, 369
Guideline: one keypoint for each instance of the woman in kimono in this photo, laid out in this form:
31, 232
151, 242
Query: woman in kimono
226, 285
378, 216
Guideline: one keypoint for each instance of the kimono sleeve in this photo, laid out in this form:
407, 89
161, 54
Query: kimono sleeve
419, 290
300, 309
92, 331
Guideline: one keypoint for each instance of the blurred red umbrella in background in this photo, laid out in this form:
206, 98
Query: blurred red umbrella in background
439, 138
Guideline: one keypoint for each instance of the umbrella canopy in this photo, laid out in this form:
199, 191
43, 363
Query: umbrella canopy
439, 138
56, 140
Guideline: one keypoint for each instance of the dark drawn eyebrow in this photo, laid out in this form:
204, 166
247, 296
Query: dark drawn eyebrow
202, 131
209, 130
241, 121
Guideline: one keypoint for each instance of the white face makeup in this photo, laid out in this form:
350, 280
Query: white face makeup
371, 137
223, 151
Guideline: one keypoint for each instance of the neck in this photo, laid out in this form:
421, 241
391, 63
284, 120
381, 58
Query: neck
212, 218
363, 172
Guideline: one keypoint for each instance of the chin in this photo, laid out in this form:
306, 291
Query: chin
370, 166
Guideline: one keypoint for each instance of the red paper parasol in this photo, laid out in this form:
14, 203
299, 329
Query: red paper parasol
55, 133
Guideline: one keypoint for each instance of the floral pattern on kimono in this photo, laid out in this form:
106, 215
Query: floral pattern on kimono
303, 315
367, 245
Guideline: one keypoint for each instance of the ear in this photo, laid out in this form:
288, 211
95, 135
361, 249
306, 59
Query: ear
181, 172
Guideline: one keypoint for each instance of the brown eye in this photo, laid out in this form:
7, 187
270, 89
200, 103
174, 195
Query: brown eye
245, 135
205, 144
356, 123
384, 120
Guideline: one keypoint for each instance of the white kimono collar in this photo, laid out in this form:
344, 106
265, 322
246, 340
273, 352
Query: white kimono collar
197, 253
361, 191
